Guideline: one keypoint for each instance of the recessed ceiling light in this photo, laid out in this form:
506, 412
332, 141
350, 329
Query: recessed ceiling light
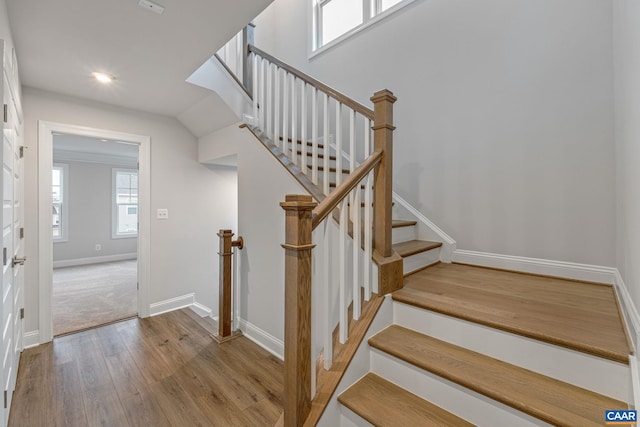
103, 77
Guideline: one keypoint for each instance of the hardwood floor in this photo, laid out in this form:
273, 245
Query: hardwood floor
161, 371
578, 315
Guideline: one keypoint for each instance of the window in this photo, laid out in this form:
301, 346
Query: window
59, 186
336, 18
125, 203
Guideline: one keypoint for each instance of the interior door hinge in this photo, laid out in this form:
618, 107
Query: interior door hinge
138, 286
6, 113
6, 398
22, 313
4, 256
22, 232
21, 151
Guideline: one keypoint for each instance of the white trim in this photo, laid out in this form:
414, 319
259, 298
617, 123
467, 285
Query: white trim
172, 304
45, 162
201, 310
94, 260
448, 243
265, 340
562, 269
634, 398
629, 309
30, 339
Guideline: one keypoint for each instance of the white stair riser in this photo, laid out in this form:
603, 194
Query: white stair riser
420, 260
348, 418
593, 373
403, 234
467, 404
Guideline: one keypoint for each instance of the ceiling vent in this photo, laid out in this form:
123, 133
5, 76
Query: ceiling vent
153, 7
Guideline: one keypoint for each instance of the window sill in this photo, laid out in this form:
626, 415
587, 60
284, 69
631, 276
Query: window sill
61, 240
124, 236
339, 40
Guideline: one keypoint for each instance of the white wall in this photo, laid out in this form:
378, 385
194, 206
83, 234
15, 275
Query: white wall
90, 214
5, 29
627, 132
504, 115
262, 185
184, 247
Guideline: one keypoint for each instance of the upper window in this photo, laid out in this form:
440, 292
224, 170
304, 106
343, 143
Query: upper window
59, 186
125, 203
335, 18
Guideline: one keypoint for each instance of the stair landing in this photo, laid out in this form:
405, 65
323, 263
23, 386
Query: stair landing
578, 315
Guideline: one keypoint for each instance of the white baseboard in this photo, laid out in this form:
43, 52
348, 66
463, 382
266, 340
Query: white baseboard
31, 339
567, 270
172, 304
629, 309
265, 340
201, 310
94, 260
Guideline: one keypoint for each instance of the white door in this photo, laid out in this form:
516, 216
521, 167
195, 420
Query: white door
12, 232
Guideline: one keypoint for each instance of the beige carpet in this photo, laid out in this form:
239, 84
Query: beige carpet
90, 295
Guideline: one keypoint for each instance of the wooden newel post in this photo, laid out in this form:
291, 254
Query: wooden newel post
389, 262
224, 285
297, 302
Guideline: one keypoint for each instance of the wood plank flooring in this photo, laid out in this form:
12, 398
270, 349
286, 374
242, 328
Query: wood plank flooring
578, 315
161, 371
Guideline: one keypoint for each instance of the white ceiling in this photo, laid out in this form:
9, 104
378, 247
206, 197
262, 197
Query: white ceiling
87, 149
60, 43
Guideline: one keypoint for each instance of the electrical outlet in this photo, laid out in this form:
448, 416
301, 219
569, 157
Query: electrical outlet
162, 214
98, 247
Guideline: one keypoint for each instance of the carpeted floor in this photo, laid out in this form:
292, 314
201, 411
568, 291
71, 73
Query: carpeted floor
90, 295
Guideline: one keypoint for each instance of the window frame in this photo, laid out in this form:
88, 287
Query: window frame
371, 11
114, 205
64, 214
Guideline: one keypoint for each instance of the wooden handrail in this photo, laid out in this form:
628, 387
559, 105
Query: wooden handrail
233, 75
354, 105
332, 200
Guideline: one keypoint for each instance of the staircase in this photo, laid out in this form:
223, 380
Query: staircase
467, 345
476, 346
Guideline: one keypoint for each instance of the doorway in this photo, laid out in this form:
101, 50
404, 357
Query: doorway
94, 188
138, 144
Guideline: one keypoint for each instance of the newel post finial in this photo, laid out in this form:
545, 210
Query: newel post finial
297, 303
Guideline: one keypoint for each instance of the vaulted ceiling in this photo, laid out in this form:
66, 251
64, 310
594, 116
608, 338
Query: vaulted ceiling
60, 43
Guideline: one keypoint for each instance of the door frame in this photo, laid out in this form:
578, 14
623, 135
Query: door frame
45, 238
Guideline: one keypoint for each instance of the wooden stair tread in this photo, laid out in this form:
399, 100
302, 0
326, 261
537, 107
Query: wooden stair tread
299, 142
331, 169
548, 399
398, 223
320, 156
576, 315
384, 404
413, 247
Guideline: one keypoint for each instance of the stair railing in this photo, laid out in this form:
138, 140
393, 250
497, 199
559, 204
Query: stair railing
343, 151
303, 216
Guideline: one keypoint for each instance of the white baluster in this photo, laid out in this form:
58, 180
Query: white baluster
368, 217
338, 143
325, 149
344, 304
285, 116
294, 140
355, 205
303, 129
254, 89
327, 294
314, 135
352, 140
268, 103
276, 114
